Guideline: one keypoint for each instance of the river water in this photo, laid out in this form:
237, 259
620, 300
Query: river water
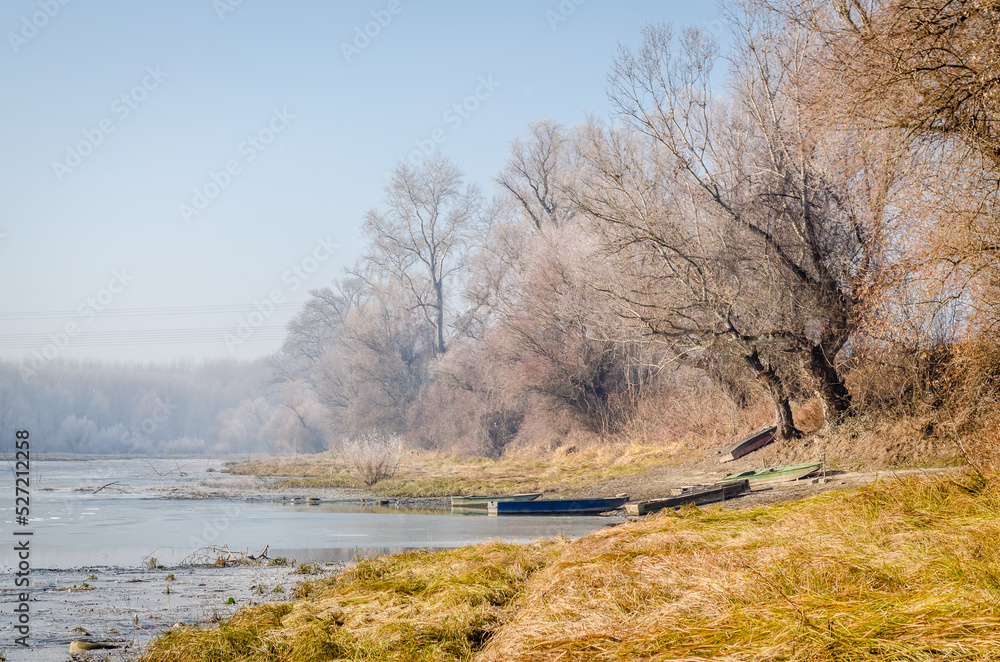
101, 521
146, 512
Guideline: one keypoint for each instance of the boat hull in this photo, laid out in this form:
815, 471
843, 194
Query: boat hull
697, 497
780, 474
746, 446
557, 506
471, 501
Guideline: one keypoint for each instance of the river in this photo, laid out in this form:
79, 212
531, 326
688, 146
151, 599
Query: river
106, 519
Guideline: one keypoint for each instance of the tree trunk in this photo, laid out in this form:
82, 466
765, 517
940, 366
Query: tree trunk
830, 388
439, 294
773, 386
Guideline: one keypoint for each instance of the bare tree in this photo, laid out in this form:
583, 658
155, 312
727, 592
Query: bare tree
926, 66
925, 70
563, 340
360, 350
534, 173
677, 274
749, 211
422, 236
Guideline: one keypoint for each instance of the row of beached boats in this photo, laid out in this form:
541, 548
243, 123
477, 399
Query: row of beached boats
729, 487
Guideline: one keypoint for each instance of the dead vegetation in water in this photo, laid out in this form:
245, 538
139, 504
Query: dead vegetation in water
904, 569
220, 556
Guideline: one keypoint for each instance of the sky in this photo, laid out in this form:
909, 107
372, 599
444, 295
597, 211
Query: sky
176, 176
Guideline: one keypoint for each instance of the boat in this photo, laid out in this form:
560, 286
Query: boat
472, 500
748, 445
557, 506
476, 505
779, 474
697, 496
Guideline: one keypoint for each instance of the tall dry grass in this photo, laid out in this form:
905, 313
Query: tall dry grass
416, 606
901, 570
904, 569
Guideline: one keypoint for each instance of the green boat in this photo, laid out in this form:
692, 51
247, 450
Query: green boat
476, 505
779, 474
473, 501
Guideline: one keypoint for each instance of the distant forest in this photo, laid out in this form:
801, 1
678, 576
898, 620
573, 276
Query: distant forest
111, 408
805, 238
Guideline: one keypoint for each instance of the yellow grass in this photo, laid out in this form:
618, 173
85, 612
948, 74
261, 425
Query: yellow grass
412, 606
899, 570
444, 474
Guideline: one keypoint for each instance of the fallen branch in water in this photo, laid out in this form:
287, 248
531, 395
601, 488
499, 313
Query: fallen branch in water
114, 482
223, 557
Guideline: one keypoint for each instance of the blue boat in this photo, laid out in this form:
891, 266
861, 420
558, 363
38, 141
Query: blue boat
556, 506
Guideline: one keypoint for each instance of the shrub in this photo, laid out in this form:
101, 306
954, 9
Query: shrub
373, 456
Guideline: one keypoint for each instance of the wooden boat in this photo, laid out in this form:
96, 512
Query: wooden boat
476, 505
697, 496
750, 444
780, 474
557, 506
472, 501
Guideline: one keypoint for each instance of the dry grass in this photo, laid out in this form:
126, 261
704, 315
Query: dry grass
441, 474
869, 442
690, 420
900, 570
416, 606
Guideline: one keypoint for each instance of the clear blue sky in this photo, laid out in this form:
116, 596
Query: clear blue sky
115, 112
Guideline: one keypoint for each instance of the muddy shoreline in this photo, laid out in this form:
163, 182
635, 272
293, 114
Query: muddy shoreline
129, 607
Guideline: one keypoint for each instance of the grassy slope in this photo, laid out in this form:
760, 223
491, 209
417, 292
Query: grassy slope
901, 570
441, 474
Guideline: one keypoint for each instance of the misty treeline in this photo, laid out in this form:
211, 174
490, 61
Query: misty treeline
809, 216
125, 408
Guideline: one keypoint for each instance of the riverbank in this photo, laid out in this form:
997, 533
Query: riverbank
903, 568
642, 472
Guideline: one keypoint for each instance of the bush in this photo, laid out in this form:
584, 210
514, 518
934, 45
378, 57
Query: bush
373, 456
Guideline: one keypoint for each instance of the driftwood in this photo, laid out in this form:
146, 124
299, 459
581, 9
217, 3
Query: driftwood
223, 557
114, 482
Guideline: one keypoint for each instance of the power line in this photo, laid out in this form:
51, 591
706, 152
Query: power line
142, 312
141, 337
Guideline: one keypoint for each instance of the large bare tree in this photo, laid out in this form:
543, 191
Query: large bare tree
928, 70
421, 237
751, 219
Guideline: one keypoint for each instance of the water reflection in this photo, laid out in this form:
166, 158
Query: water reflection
369, 508
76, 527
